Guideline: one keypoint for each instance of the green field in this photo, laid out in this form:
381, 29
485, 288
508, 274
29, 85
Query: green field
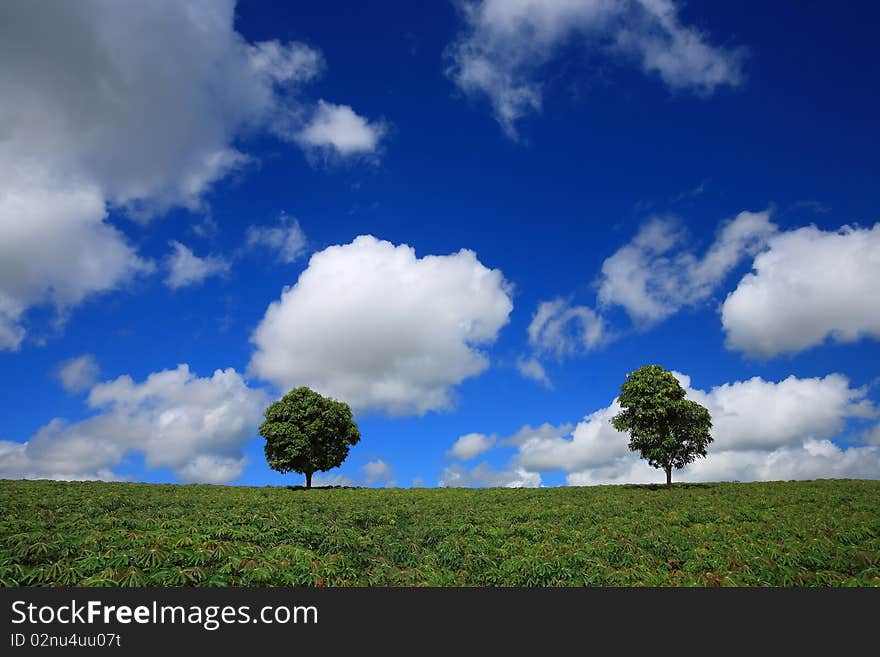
824, 533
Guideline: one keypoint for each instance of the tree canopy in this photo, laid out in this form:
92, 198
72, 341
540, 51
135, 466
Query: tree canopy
668, 430
307, 433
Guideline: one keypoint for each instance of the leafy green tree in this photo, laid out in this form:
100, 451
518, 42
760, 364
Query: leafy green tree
669, 430
308, 433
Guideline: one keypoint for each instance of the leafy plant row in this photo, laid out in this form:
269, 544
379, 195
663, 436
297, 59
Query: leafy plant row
819, 533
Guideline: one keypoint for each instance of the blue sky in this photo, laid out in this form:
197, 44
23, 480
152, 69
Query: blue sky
651, 182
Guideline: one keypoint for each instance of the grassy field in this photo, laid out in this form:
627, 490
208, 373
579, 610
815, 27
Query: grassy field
824, 533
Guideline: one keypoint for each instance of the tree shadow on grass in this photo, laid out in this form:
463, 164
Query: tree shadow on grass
664, 487
320, 487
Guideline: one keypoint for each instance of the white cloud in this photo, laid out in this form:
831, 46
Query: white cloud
680, 55
212, 469
342, 131
544, 431
373, 325
506, 44
78, 374
531, 368
287, 239
763, 414
55, 247
762, 430
809, 286
335, 479
810, 459
18, 462
483, 475
625, 469
378, 471
97, 98
516, 475
186, 268
653, 276
561, 329
99, 113
593, 443
470, 446
195, 426
291, 62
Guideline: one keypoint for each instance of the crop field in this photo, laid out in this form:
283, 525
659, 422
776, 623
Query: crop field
817, 533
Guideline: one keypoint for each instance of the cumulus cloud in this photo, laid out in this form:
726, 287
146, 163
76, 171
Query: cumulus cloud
98, 98
373, 325
810, 459
98, 113
194, 425
470, 446
212, 469
763, 414
378, 471
544, 431
335, 479
517, 475
82, 256
562, 329
654, 275
872, 436
531, 368
17, 461
484, 476
762, 430
341, 130
505, 44
813, 459
291, 62
78, 374
286, 239
185, 268
810, 285
593, 443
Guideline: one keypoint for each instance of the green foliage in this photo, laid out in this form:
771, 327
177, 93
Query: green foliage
815, 533
308, 433
669, 430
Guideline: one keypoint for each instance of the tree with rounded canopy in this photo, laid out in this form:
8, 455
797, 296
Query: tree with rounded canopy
669, 430
307, 433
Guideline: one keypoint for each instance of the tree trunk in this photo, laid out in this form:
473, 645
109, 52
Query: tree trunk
308, 479
669, 476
